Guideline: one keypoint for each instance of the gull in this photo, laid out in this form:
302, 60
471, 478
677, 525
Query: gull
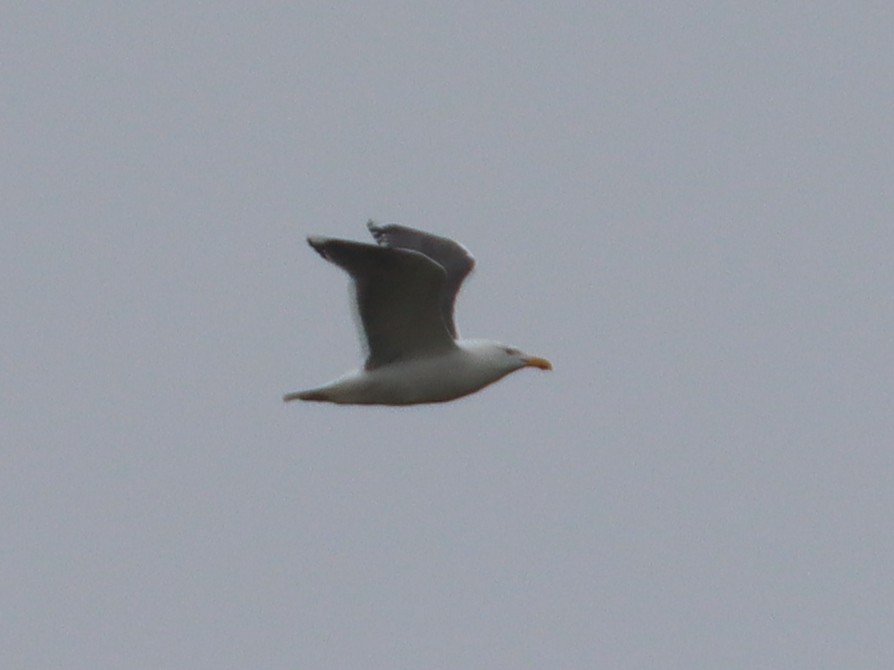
404, 292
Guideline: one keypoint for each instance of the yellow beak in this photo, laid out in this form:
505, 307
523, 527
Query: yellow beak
537, 362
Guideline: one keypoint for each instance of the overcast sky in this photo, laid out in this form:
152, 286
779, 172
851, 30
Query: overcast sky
687, 207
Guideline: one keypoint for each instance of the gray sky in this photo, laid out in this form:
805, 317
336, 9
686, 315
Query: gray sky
685, 206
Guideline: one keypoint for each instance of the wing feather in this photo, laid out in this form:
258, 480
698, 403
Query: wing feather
398, 295
452, 256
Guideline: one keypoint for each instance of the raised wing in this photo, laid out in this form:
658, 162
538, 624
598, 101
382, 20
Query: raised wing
398, 294
452, 256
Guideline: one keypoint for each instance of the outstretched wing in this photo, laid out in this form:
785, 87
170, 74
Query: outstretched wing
452, 256
398, 294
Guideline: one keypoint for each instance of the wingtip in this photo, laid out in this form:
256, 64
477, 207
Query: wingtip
318, 243
375, 229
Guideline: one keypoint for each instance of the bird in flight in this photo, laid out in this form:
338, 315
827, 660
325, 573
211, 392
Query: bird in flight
404, 290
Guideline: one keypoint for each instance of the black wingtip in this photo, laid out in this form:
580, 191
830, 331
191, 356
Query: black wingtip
380, 233
318, 244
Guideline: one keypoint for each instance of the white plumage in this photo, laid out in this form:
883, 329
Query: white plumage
405, 290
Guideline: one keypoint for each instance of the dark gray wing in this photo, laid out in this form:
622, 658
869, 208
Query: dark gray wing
397, 293
453, 257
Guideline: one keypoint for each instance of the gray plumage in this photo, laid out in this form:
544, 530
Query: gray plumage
404, 290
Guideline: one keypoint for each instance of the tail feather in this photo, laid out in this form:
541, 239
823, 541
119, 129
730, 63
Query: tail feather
313, 394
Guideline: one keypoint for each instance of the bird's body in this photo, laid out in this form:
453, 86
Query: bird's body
469, 367
405, 291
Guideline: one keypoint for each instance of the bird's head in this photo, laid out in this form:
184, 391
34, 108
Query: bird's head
504, 357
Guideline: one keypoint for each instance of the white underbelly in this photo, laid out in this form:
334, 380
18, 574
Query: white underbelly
435, 379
